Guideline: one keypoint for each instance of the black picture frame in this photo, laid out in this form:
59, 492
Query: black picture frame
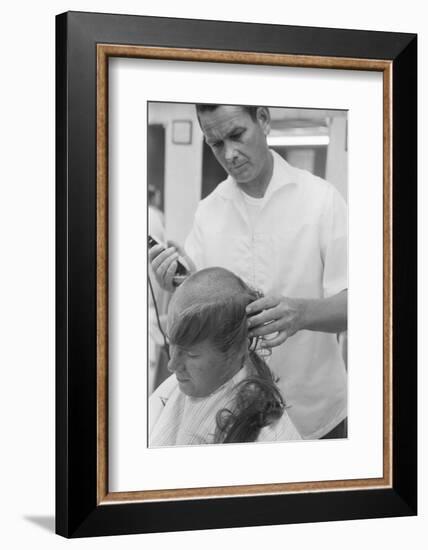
78, 511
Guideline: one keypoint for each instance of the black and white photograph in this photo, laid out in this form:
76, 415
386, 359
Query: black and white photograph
247, 273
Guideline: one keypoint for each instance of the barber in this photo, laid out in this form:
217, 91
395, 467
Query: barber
284, 231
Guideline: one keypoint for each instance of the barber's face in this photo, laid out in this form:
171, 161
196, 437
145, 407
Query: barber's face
200, 369
237, 141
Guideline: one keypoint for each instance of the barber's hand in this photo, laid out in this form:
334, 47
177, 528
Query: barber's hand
276, 315
164, 264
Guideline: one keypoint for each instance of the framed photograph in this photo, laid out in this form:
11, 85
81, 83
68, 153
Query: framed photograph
236, 274
182, 132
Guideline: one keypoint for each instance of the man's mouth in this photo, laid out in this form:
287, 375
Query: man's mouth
238, 166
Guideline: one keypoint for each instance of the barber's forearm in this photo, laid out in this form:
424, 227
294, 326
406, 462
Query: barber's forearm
326, 314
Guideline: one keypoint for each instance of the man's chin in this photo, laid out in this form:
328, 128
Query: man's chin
242, 176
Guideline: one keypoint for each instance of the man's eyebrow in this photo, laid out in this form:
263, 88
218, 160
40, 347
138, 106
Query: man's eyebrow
237, 129
234, 130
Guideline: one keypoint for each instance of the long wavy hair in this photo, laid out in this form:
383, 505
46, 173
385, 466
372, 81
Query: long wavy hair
223, 322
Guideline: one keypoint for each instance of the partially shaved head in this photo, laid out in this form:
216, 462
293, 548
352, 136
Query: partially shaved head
210, 304
211, 285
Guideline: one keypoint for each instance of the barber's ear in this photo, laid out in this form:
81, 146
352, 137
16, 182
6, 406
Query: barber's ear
263, 118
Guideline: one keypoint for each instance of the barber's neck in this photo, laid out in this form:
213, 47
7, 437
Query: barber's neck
257, 187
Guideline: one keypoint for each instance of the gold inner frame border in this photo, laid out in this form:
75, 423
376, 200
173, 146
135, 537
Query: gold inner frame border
104, 52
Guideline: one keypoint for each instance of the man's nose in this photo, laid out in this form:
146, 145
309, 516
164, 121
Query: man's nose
230, 152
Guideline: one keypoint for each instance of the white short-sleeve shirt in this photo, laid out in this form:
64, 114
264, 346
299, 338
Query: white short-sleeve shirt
297, 248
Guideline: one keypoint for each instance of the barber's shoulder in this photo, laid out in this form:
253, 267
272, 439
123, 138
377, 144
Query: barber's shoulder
215, 199
310, 181
318, 191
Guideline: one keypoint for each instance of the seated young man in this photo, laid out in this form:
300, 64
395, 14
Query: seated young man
221, 390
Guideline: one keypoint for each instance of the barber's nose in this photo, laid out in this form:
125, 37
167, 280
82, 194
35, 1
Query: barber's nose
230, 152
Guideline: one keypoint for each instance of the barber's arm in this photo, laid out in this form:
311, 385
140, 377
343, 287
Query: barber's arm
286, 316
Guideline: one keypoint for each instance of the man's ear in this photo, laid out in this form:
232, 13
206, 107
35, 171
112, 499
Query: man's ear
263, 118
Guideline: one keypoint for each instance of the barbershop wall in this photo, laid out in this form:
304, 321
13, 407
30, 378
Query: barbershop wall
183, 168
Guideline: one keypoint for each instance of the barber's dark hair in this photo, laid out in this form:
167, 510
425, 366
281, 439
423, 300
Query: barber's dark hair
208, 107
223, 322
